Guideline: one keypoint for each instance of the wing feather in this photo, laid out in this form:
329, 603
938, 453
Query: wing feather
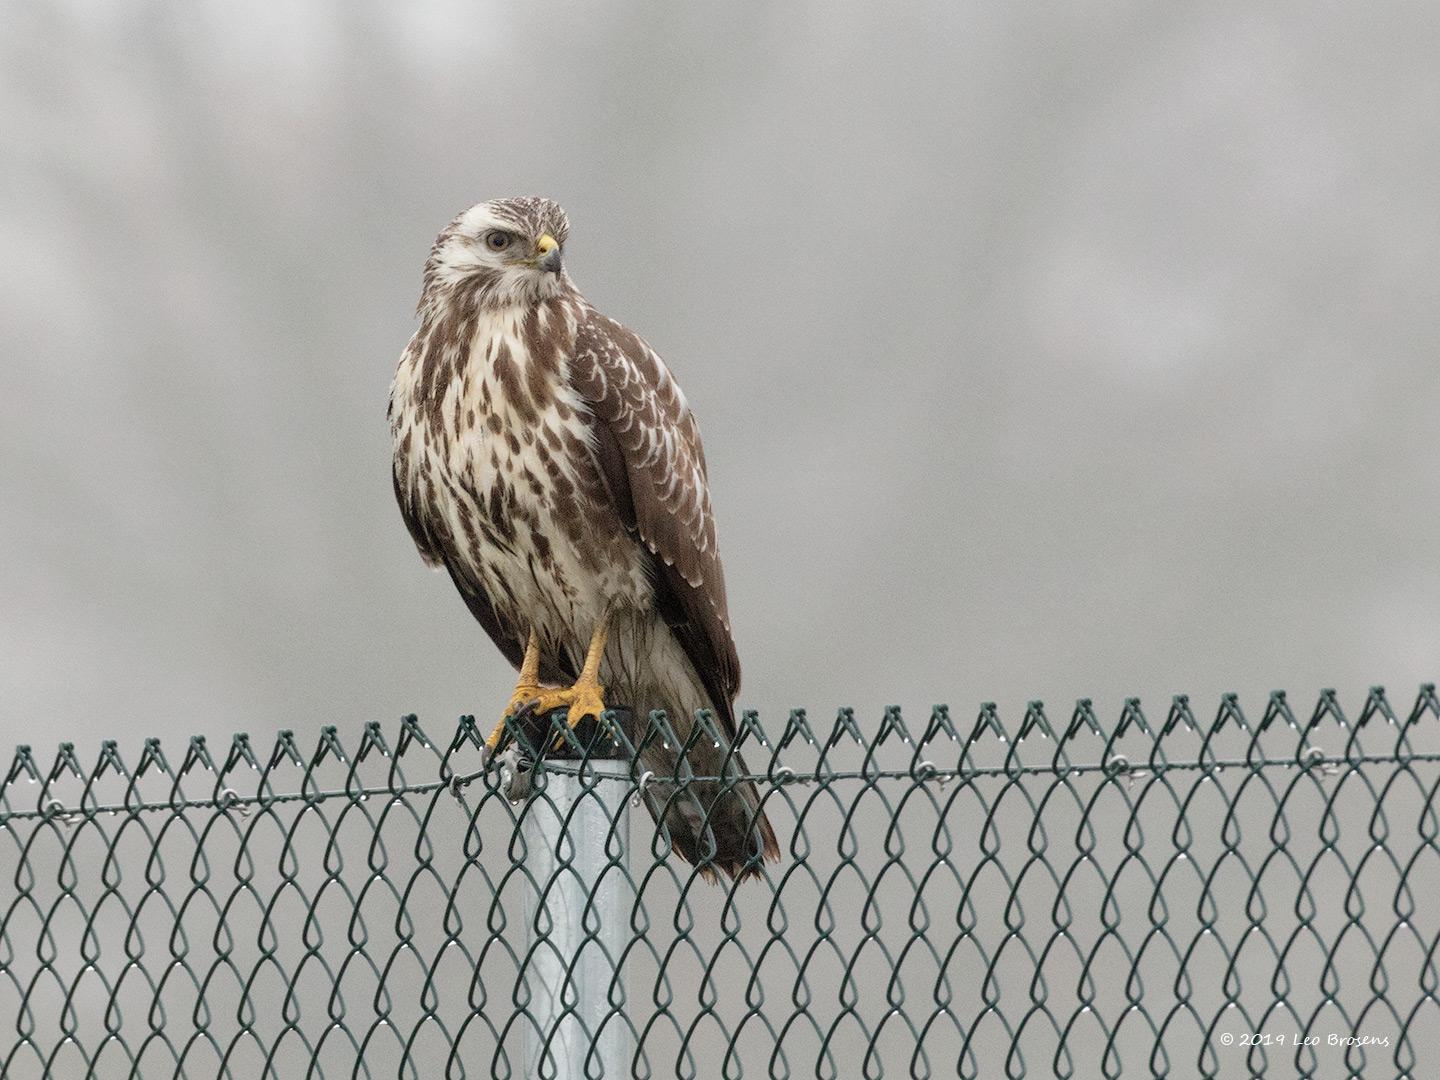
648, 446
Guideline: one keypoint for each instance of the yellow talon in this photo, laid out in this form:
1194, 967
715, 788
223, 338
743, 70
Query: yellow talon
527, 687
585, 698
524, 693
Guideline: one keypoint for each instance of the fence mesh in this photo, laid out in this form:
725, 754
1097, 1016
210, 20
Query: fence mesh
1161, 895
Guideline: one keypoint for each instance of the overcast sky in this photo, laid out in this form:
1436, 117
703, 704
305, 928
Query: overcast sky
1039, 350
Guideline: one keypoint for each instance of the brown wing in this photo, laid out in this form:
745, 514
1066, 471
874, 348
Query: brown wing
648, 446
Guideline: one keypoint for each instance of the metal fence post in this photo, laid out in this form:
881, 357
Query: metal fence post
577, 922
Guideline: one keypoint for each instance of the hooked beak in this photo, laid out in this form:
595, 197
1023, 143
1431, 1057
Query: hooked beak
547, 254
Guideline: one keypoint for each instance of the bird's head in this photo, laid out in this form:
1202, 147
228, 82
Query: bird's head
508, 251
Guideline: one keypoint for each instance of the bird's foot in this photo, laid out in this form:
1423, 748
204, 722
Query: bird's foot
525, 693
528, 714
585, 698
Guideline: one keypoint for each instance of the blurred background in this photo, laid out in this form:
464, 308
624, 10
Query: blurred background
1041, 350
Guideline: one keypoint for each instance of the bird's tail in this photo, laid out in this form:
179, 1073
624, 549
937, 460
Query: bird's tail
717, 823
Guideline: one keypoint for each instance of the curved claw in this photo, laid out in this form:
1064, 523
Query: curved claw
589, 700
496, 740
585, 698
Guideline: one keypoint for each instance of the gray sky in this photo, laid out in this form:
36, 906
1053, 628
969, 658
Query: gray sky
1040, 350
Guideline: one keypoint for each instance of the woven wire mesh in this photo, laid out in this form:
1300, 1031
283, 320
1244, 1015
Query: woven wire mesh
975, 898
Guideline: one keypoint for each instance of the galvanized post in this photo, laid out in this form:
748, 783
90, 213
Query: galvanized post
577, 923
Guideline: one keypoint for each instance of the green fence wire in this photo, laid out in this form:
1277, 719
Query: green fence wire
1162, 895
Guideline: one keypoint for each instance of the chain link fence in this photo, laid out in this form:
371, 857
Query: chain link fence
1243, 894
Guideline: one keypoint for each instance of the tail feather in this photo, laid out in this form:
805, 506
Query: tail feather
715, 825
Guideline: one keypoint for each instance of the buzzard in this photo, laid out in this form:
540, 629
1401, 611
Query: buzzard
545, 457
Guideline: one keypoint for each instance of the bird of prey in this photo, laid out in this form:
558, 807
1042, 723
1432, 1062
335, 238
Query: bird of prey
545, 457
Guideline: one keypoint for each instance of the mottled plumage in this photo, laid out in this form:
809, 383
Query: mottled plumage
547, 459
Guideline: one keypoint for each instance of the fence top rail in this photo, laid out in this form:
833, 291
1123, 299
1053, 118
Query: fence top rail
798, 751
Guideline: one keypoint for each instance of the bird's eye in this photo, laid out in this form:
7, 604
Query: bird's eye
496, 240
